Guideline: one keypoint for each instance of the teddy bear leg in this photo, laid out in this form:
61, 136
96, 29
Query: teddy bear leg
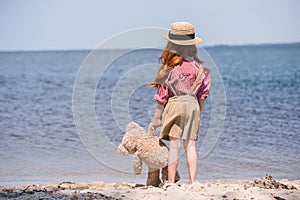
177, 176
164, 175
153, 178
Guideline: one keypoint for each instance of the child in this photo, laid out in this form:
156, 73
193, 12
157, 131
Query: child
182, 86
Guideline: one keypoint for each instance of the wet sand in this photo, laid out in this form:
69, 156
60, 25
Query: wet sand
261, 188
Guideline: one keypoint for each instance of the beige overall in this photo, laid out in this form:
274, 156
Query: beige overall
181, 116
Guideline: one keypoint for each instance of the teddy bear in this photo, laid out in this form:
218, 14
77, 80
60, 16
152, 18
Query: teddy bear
147, 148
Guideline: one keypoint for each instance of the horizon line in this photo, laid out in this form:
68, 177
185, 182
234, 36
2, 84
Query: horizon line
129, 48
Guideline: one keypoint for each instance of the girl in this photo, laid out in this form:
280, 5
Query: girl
182, 86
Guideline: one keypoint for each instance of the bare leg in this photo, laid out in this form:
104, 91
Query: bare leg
173, 158
191, 157
164, 175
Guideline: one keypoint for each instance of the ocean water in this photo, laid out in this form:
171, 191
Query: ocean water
39, 142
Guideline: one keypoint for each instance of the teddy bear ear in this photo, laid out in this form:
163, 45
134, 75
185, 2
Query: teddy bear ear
123, 150
135, 130
131, 125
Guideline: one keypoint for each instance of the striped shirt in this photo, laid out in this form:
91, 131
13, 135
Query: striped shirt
182, 78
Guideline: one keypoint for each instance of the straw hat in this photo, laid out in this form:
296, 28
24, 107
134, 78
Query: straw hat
182, 33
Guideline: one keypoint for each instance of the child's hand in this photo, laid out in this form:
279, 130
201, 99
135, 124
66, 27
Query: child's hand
156, 122
151, 130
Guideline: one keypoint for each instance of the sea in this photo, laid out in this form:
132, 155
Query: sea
62, 120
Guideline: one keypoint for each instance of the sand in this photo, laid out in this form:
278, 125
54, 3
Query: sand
262, 188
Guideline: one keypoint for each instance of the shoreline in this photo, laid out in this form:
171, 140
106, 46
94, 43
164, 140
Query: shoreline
261, 188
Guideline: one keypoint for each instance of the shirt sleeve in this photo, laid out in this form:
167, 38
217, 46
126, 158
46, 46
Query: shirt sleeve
204, 88
162, 94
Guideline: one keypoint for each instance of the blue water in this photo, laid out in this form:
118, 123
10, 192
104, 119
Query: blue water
39, 142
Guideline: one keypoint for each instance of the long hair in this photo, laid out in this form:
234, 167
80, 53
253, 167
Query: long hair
173, 55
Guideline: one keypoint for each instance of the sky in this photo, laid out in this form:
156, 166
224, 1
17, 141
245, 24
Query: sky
84, 24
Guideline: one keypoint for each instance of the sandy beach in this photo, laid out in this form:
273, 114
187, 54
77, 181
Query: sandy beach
261, 188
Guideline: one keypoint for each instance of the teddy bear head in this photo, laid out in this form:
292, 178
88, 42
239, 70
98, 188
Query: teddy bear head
132, 135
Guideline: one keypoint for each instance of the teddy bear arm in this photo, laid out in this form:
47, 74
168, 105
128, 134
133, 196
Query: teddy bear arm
137, 164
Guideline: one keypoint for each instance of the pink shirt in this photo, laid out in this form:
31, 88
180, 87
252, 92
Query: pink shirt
182, 78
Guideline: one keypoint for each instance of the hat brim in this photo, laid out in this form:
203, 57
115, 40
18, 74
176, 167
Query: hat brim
196, 40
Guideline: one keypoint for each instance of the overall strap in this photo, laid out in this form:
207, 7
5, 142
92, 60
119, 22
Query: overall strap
170, 86
197, 80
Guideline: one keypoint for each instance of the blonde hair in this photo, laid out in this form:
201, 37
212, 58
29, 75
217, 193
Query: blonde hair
173, 55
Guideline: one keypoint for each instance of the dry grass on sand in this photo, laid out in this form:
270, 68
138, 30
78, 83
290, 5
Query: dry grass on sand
262, 188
